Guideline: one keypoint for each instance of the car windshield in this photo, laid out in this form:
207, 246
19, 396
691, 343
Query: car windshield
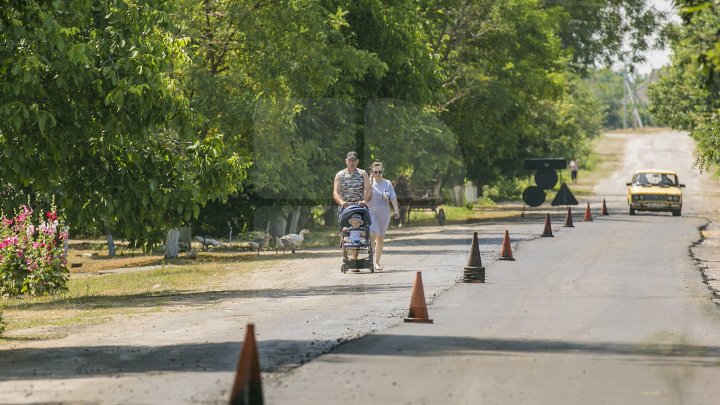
655, 179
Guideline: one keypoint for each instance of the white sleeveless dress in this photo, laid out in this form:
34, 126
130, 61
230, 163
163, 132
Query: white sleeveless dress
380, 207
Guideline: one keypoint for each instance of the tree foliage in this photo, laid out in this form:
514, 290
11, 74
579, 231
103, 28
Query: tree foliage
508, 94
137, 113
606, 31
91, 110
687, 95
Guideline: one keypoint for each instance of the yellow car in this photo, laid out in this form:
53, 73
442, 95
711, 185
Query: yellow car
655, 190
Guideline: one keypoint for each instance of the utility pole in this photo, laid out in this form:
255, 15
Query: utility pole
630, 92
624, 100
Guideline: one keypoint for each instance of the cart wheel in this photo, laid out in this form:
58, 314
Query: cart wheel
372, 268
441, 216
343, 269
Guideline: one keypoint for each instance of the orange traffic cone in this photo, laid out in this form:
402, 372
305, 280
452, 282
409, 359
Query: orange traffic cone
506, 252
588, 215
568, 219
604, 209
474, 270
247, 388
548, 229
418, 309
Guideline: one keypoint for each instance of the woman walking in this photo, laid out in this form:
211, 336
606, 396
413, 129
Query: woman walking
383, 194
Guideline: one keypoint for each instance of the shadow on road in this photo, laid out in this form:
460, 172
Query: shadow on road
413, 346
80, 362
93, 361
189, 298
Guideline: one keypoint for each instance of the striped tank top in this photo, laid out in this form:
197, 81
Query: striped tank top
352, 186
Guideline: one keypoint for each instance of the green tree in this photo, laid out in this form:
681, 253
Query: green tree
91, 110
607, 86
277, 77
606, 31
687, 95
507, 94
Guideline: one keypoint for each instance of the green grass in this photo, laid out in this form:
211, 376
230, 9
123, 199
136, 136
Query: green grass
97, 298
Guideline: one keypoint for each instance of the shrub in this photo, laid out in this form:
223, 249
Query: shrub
32, 256
2, 324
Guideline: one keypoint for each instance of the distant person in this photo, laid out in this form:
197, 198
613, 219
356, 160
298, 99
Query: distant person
573, 169
383, 196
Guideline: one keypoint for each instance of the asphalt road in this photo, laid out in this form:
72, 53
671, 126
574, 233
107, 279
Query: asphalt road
611, 311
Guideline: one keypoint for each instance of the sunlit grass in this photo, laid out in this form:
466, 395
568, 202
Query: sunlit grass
93, 299
606, 158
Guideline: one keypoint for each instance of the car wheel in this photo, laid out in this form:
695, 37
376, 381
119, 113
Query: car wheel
632, 211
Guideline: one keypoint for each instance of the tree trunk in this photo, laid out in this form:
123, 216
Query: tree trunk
278, 226
471, 192
294, 219
172, 249
185, 240
457, 195
65, 244
330, 215
111, 244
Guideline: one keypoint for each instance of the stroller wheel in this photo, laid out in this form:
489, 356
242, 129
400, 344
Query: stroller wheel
344, 268
372, 267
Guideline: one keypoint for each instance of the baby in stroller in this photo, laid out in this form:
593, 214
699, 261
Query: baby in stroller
355, 239
354, 232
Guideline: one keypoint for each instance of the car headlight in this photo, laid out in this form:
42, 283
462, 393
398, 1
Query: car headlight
641, 197
671, 198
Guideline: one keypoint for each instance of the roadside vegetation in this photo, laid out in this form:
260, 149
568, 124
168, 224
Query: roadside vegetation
231, 118
686, 97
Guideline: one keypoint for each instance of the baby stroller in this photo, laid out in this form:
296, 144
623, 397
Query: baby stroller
350, 242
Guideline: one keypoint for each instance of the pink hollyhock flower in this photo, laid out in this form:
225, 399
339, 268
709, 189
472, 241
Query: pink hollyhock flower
12, 240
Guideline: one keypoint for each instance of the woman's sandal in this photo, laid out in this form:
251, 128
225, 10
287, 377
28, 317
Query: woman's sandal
378, 267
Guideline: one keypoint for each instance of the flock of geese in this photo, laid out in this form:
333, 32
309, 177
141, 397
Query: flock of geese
290, 241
